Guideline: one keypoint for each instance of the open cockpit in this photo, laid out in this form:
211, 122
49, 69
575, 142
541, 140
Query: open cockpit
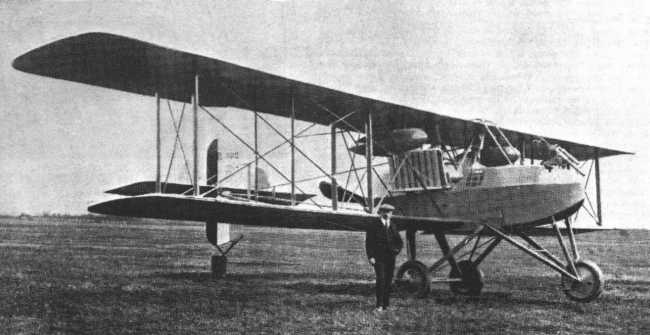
419, 160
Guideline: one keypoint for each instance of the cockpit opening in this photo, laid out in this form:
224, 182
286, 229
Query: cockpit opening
489, 147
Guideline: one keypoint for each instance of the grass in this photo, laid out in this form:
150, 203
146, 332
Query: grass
89, 276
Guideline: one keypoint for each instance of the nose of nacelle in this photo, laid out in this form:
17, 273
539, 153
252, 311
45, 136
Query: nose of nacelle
541, 195
567, 198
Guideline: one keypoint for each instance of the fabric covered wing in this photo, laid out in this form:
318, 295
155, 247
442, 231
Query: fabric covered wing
145, 187
135, 66
257, 214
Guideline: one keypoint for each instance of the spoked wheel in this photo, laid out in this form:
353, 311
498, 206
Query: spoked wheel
590, 285
413, 279
472, 279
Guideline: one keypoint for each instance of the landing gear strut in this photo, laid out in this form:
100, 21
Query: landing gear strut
414, 278
582, 280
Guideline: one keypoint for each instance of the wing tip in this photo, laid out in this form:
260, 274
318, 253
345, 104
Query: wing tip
29, 61
21, 62
613, 152
101, 208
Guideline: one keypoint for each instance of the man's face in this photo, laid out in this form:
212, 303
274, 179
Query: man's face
386, 215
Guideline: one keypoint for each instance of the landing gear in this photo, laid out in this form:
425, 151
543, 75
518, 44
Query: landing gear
590, 283
471, 279
582, 280
218, 266
219, 261
413, 279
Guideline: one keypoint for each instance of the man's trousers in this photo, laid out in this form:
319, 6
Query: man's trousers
384, 268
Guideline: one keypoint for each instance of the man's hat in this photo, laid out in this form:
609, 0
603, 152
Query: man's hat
386, 208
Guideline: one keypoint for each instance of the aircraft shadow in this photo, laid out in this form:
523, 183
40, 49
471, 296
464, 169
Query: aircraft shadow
205, 276
317, 284
628, 282
349, 288
261, 263
199, 277
445, 297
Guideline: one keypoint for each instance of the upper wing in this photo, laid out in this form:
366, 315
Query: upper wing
135, 66
255, 213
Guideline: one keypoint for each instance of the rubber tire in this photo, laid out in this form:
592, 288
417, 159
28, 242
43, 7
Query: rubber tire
218, 266
594, 282
472, 283
414, 269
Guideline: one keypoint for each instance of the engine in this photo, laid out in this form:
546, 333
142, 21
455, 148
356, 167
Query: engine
397, 141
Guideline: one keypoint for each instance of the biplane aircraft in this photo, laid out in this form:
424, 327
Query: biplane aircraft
446, 175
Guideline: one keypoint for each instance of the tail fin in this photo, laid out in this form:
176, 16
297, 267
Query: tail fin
217, 233
212, 163
262, 179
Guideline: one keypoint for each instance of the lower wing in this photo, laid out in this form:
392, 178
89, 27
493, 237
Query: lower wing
256, 213
147, 187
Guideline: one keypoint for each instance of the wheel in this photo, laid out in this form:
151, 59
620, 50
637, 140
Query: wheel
472, 279
413, 279
590, 285
218, 265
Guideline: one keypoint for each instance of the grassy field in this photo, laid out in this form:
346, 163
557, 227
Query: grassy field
105, 276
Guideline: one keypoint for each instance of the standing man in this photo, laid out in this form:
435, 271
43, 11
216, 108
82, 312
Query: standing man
383, 243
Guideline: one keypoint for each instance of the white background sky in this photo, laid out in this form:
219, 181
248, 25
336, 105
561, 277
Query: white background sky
578, 70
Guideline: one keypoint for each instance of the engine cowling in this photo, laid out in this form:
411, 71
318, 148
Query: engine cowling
398, 141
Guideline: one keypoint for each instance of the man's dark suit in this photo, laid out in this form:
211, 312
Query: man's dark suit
383, 245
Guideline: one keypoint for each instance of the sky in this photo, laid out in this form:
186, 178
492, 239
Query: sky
577, 70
